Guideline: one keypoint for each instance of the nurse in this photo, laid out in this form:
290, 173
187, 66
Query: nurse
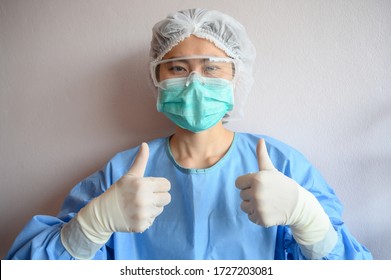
204, 192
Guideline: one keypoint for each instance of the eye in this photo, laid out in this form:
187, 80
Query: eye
211, 70
177, 68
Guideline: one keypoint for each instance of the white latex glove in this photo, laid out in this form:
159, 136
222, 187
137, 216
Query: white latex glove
270, 198
130, 205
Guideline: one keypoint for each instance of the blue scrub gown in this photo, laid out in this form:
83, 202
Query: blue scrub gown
203, 220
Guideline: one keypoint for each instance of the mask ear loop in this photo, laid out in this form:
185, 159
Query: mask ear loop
194, 76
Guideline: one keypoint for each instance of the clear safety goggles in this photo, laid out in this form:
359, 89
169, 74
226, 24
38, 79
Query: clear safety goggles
183, 67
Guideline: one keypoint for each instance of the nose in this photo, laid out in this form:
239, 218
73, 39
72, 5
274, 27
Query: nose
194, 76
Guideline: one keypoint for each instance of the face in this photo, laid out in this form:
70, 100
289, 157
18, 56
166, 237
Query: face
191, 105
194, 46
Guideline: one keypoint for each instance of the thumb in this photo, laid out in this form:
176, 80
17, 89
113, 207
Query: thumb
264, 161
140, 162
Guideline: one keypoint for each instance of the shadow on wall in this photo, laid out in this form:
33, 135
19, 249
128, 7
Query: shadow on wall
130, 99
100, 112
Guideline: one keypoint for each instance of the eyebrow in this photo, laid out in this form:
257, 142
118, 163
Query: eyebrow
198, 57
195, 56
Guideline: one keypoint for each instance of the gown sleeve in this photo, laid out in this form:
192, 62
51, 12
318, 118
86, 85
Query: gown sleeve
293, 164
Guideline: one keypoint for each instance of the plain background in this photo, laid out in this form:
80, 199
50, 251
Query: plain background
74, 91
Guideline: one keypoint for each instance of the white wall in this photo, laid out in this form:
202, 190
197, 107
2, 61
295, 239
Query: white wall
73, 91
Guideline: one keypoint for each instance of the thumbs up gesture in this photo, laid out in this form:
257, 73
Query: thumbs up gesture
130, 205
270, 198
140, 199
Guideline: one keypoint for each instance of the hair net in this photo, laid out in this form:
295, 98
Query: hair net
224, 31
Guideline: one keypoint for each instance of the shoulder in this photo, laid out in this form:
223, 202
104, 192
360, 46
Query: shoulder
125, 158
121, 162
276, 148
285, 158
98, 182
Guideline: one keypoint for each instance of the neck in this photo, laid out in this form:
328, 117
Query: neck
200, 150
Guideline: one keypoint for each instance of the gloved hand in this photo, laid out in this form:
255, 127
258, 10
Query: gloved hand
270, 198
130, 205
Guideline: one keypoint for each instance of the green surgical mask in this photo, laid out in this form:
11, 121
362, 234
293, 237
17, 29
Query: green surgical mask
195, 103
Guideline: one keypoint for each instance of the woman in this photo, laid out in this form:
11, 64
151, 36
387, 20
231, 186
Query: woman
205, 192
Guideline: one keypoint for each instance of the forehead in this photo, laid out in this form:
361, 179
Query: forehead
195, 46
